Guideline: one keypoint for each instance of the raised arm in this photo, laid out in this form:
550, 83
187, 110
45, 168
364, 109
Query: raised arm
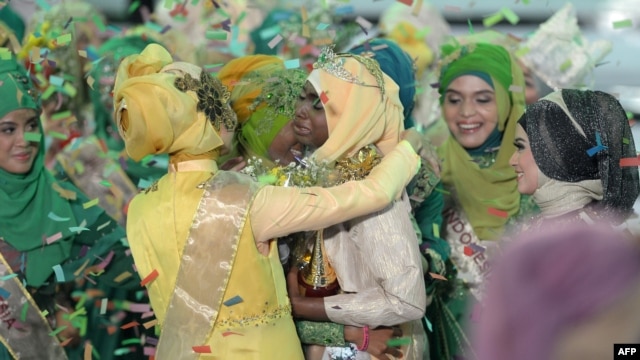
278, 211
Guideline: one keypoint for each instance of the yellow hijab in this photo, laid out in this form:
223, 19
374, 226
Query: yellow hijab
152, 114
479, 190
357, 115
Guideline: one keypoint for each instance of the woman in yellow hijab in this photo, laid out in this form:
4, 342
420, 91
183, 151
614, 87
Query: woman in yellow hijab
349, 113
235, 297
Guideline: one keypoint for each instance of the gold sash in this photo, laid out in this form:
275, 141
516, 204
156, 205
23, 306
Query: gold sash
469, 254
207, 261
24, 331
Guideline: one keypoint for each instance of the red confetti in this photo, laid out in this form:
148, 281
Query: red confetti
202, 349
149, 278
437, 276
496, 212
66, 342
406, 2
630, 162
468, 251
324, 98
129, 325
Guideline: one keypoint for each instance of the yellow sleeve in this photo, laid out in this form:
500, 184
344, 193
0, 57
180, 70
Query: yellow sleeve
279, 211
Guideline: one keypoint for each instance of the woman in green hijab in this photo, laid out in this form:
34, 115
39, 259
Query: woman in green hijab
52, 235
481, 90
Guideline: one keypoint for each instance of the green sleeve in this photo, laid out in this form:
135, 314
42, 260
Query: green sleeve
320, 333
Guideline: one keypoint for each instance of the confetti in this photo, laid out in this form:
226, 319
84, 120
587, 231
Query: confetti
149, 351
33, 137
364, 24
202, 349
630, 162
399, 341
324, 98
5, 293
216, 35
43, 5
491, 20
149, 278
150, 324
344, 10
5, 54
58, 330
129, 325
275, 41
621, 24
437, 276
511, 17
139, 308
57, 269
23, 313
122, 276
134, 6
406, 2
90, 203
292, 64
78, 229
599, 147
55, 217
103, 306
7, 277
468, 251
515, 88
436, 230
63, 39
53, 238
417, 8
496, 212
269, 32
233, 301
565, 65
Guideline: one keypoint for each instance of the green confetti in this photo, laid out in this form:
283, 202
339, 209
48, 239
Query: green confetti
241, 17
131, 341
511, 17
436, 230
134, 6
168, 4
7, 277
522, 51
90, 203
470, 27
33, 136
61, 115
565, 65
55, 217
442, 191
57, 135
105, 183
121, 351
621, 24
5, 54
399, 341
491, 20
63, 39
44, 313
423, 32
58, 330
625, 141
216, 35
98, 21
23, 313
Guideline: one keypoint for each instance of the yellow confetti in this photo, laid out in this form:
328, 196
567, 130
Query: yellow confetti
90, 203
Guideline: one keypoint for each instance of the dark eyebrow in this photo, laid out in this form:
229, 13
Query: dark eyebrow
480, 92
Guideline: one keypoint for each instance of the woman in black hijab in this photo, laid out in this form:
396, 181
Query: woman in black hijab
571, 147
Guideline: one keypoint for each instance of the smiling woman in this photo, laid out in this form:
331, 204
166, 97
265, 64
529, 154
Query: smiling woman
18, 148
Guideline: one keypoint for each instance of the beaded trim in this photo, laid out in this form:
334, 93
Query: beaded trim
264, 318
213, 99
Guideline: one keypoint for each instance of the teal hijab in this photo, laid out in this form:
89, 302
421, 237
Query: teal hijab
32, 211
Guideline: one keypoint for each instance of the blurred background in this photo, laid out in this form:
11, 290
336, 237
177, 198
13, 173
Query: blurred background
617, 74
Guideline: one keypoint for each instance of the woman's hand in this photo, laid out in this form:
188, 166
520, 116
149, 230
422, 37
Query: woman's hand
234, 164
378, 339
423, 147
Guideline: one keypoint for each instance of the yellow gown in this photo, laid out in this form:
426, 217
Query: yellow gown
258, 324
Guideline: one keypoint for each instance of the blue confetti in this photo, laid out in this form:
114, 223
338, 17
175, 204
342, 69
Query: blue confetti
599, 147
233, 301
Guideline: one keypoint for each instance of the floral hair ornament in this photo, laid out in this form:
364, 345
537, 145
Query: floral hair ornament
334, 64
213, 99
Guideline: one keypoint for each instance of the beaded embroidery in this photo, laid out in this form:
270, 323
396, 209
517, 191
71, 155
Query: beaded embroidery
264, 318
334, 64
213, 99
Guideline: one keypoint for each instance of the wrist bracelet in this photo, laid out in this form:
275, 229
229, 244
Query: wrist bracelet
365, 340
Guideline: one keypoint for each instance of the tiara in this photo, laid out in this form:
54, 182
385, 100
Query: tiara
334, 64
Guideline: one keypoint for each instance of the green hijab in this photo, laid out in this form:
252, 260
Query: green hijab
275, 108
479, 190
27, 199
